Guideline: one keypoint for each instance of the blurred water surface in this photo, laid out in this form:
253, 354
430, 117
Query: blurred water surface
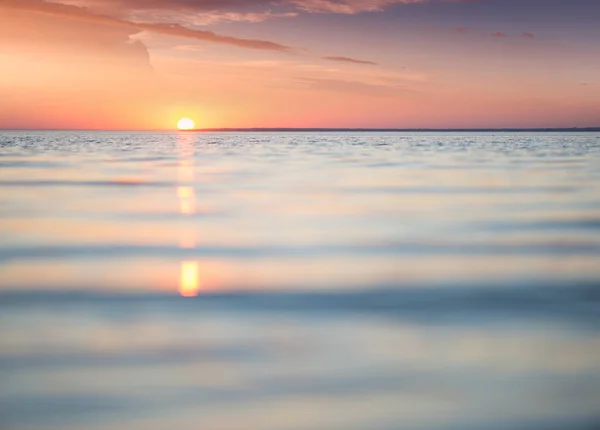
299, 280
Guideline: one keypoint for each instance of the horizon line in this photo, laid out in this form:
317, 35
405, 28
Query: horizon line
321, 129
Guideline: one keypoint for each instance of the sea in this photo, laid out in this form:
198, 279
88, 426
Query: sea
299, 280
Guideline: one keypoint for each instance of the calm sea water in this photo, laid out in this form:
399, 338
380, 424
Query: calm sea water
299, 281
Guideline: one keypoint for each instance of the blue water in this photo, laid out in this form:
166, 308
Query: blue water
299, 281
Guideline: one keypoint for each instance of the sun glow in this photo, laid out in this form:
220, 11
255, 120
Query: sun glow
185, 124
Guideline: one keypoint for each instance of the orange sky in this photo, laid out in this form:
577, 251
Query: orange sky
143, 64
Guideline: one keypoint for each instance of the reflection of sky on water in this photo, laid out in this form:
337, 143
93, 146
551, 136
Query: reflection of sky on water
298, 211
165, 365
348, 282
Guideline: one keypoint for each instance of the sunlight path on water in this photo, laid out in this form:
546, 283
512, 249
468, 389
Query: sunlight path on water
189, 281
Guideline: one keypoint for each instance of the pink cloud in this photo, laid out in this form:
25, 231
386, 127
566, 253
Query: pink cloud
350, 60
346, 6
213, 6
58, 9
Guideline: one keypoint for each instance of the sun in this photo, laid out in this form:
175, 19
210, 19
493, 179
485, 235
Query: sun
185, 124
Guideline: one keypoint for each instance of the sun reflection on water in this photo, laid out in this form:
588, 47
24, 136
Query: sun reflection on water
189, 284
187, 200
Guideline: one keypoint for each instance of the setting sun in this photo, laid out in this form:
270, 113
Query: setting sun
185, 124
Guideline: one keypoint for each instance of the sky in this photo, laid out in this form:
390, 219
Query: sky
144, 64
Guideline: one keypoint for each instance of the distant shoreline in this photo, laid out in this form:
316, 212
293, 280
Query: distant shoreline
367, 130
342, 130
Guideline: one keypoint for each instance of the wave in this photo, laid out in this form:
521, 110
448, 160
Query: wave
387, 248
574, 302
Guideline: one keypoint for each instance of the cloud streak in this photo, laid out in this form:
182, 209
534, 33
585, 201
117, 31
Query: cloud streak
191, 6
348, 7
216, 17
350, 60
68, 11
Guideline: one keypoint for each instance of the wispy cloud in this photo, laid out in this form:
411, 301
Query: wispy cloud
213, 7
347, 6
216, 17
69, 11
464, 30
525, 35
350, 60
